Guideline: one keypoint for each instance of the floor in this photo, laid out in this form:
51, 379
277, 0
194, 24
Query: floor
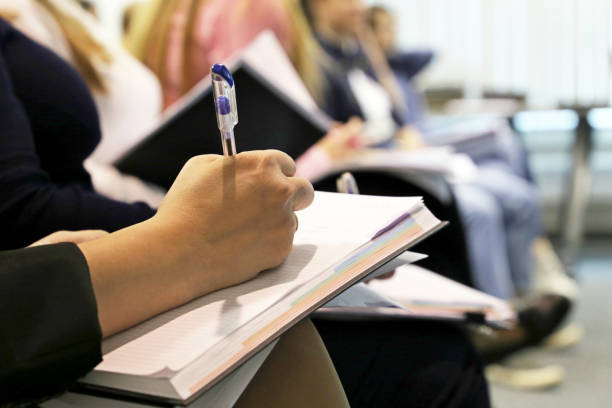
588, 382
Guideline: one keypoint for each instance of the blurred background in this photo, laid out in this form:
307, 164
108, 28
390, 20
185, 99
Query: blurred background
545, 65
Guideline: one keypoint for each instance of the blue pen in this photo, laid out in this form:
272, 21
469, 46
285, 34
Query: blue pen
224, 93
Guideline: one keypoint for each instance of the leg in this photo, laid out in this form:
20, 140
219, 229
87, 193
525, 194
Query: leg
519, 202
297, 373
486, 240
407, 363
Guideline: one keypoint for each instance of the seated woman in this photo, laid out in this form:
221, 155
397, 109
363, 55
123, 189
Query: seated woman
506, 147
499, 208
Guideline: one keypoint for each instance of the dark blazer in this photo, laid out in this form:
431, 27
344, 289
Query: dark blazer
48, 126
49, 329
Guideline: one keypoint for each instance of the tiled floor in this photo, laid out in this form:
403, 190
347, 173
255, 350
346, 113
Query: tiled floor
588, 382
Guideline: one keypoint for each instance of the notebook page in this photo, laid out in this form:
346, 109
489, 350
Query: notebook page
166, 343
334, 217
331, 227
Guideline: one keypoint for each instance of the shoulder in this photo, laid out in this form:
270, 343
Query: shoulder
36, 22
5, 29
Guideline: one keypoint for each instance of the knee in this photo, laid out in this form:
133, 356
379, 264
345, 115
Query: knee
524, 203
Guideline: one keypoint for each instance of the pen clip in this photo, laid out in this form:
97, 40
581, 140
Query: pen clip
224, 93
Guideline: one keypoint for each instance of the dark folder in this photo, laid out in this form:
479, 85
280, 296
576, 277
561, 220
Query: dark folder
267, 119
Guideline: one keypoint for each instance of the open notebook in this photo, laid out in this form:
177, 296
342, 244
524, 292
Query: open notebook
179, 354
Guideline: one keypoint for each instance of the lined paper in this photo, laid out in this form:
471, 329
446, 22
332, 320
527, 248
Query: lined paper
330, 228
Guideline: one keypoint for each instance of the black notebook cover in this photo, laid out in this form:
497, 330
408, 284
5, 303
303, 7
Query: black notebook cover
267, 119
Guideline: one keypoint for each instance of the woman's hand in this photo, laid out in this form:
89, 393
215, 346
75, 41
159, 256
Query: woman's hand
342, 139
409, 138
238, 210
224, 220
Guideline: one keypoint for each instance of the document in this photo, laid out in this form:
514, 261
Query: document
426, 294
179, 354
442, 161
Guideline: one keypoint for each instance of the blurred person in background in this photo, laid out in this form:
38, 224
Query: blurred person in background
180, 40
507, 154
549, 273
500, 208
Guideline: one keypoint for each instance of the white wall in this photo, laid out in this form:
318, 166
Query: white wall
556, 51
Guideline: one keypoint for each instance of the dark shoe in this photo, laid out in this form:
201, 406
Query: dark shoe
538, 318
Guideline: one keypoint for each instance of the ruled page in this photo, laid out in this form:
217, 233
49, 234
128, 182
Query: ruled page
333, 226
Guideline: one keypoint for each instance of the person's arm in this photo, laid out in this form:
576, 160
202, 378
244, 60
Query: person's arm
340, 141
224, 220
49, 331
32, 204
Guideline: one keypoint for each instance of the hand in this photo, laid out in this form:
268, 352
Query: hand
409, 138
235, 215
342, 139
69, 236
224, 220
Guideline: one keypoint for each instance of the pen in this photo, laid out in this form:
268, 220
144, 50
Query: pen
224, 93
346, 184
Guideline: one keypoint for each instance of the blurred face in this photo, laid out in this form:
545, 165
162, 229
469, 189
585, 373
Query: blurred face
384, 30
343, 16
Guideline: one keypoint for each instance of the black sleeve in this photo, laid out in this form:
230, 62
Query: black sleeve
34, 202
49, 329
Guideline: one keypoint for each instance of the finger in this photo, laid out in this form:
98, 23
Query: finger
303, 194
70, 236
284, 162
204, 159
355, 124
86, 235
272, 158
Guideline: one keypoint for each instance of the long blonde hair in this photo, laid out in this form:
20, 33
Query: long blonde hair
88, 53
148, 34
306, 53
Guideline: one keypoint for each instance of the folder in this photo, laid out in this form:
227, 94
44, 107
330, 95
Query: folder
275, 111
178, 355
416, 293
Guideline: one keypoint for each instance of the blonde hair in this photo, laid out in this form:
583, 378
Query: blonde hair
88, 53
147, 40
86, 50
147, 36
305, 52
8, 14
